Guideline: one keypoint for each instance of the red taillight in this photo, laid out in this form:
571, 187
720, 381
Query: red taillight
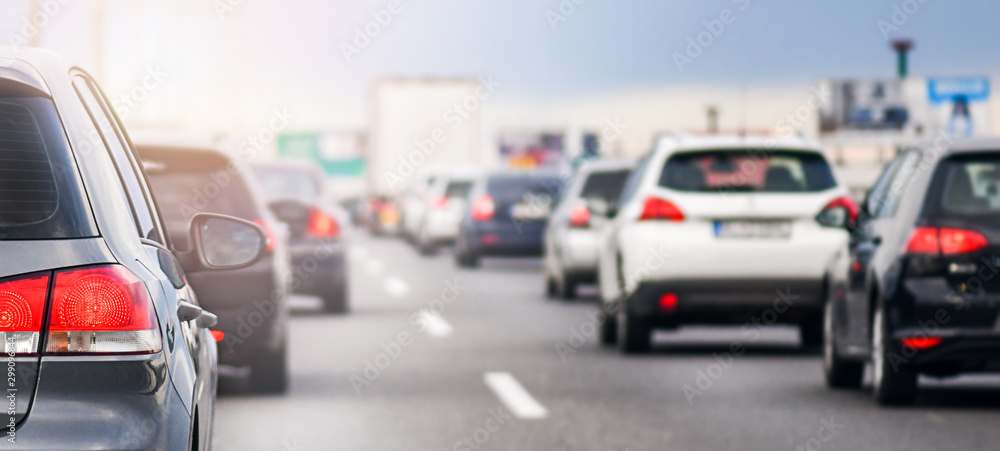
218, 335
921, 342
579, 216
656, 209
439, 203
101, 310
22, 307
931, 240
322, 224
958, 241
482, 209
267, 231
374, 205
668, 301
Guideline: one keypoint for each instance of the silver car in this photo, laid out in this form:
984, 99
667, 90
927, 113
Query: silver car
571, 240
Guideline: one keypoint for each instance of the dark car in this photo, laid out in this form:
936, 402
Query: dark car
105, 339
297, 194
507, 216
917, 292
191, 176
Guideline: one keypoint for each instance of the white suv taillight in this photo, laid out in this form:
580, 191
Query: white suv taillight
101, 310
22, 307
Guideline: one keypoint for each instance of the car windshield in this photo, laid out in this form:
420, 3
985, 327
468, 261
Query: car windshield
40, 189
748, 170
605, 186
281, 183
510, 188
457, 190
970, 185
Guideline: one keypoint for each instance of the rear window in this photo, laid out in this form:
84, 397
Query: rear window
41, 196
508, 188
280, 183
606, 186
186, 183
457, 190
783, 171
968, 185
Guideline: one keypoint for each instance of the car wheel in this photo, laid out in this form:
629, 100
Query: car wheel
269, 374
609, 330
551, 287
567, 289
895, 383
839, 373
335, 301
811, 332
634, 334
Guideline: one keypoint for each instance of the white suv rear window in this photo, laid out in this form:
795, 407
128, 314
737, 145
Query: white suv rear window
725, 170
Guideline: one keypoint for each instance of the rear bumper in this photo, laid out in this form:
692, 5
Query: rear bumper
508, 239
729, 301
107, 403
964, 351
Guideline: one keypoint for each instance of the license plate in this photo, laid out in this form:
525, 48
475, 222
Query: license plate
753, 229
530, 211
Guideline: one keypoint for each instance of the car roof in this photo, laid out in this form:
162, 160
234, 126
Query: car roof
32, 66
677, 141
606, 165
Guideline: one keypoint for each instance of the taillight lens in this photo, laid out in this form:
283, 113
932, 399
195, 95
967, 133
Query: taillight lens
579, 216
322, 224
22, 307
103, 310
840, 212
482, 209
660, 209
958, 241
268, 230
931, 240
439, 202
921, 342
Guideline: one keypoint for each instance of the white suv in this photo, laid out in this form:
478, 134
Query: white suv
722, 230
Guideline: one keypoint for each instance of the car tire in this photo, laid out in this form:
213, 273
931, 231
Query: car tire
839, 373
567, 289
551, 287
335, 301
634, 334
269, 374
609, 330
894, 384
811, 332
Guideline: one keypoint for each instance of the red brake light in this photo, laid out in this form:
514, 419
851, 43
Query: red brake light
931, 240
482, 209
958, 241
656, 208
579, 216
439, 202
921, 342
218, 335
322, 224
22, 307
268, 231
668, 301
101, 310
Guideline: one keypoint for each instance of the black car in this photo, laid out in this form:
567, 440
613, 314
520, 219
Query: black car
507, 216
297, 194
191, 176
918, 292
107, 347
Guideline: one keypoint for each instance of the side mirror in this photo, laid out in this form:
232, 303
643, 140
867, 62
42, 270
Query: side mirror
222, 242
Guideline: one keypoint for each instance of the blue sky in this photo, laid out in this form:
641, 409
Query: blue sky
291, 49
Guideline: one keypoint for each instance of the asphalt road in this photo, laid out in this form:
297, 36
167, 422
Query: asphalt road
499, 367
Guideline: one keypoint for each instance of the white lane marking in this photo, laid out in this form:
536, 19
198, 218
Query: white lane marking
374, 267
396, 287
434, 325
514, 396
358, 253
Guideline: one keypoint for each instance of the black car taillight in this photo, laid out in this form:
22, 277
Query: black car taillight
22, 308
928, 245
